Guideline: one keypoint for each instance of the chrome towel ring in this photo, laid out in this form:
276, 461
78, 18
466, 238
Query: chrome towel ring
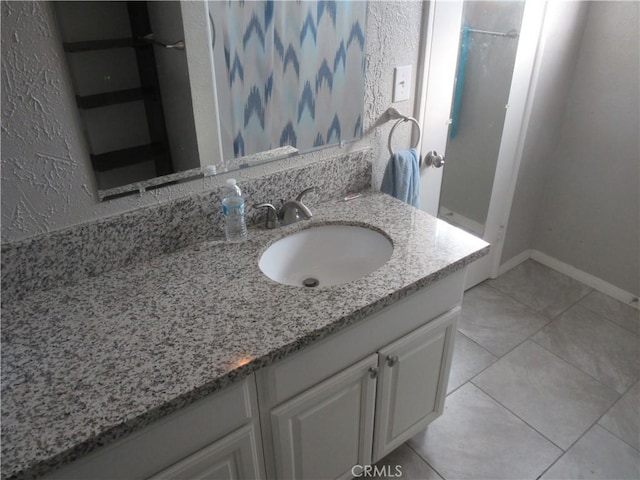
393, 113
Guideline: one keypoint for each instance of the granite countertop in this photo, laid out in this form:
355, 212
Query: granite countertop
88, 363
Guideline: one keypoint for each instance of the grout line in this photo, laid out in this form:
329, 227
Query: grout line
425, 460
609, 319
497, 358
516, 346
522, 304
591, 290
585, 432
615, 435
611, 407
610, 322
575, 303
586, 373
477, 344
520, 418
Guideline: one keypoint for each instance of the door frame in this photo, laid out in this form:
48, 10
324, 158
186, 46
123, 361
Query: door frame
519, 107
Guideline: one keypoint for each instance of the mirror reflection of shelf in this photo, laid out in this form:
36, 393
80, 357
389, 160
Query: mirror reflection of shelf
90, 45
113, 98
128, 156
117, 90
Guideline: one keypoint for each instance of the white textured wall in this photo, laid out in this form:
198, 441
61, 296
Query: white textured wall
590, 213
47, 183
561, 37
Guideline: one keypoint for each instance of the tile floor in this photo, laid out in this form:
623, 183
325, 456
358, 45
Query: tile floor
544, 384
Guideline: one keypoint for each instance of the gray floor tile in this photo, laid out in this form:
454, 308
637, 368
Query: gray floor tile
555, 398
476, 438
469, 359
598, 455
623, 419
404, 463
596, 346
545, 290
495, 321
611, 309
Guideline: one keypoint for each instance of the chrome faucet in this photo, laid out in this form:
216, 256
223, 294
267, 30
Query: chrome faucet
291, 211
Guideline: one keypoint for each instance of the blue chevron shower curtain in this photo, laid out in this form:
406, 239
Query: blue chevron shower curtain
288, 73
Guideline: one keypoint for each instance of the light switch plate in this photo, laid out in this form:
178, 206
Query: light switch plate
402, 83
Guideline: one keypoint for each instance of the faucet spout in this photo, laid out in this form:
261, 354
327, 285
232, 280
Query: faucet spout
292, 211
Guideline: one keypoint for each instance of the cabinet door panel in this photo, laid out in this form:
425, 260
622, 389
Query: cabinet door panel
234, 457
414, 372
328, 429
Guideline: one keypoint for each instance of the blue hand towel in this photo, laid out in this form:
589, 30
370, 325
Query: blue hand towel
402, 177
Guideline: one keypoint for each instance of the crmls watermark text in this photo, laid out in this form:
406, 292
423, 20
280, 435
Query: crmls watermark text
364, 471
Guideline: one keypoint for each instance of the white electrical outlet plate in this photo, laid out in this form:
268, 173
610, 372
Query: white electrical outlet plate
402, 84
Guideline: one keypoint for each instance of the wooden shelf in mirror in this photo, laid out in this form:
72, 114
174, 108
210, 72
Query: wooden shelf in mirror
89, 45
113, 98
129, 156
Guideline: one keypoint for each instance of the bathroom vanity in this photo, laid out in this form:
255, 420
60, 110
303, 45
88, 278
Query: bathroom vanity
195, 363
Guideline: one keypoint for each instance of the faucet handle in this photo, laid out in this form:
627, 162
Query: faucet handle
271, 220
304, 192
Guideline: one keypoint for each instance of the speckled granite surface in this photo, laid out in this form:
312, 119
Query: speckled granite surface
88, 363
70, 255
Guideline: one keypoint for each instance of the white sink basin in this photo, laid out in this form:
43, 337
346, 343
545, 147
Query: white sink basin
325, 255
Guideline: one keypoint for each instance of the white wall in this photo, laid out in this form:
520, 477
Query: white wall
47, 183
589, 217
555, 65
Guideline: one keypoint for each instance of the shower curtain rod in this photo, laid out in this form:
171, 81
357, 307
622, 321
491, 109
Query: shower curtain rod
510, 33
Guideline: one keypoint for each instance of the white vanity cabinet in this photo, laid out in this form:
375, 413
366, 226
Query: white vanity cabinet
217, 437
357, 395
234, 457
324, 431
412, 385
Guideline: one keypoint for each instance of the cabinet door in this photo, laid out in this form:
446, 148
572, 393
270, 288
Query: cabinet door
412, 385
234, 457
325, 431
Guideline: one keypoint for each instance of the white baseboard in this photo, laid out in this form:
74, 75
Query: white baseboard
572, 272
515, 261
586, 278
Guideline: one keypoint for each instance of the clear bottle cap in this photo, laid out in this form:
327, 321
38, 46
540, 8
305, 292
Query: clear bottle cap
231, 181
209, 170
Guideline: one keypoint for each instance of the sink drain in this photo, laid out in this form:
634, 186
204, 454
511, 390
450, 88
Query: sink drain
310, 282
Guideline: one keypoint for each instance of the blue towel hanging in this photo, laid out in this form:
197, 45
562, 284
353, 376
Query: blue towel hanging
402, 177
462, 65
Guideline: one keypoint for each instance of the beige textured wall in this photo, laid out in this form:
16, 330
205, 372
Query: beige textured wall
562, 34
47, 184
590, 213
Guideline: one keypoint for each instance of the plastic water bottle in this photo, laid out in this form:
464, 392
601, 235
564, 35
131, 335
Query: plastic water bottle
235, 227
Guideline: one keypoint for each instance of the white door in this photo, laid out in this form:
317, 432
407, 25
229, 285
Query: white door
438, 80
328, 429
412, 386
437, 86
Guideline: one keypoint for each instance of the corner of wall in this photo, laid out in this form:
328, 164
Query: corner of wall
556, 62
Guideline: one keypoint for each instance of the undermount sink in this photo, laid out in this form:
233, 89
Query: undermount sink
326, 255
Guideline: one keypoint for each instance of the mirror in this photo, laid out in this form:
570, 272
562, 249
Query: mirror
167, 90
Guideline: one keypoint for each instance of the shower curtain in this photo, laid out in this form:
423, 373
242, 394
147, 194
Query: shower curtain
288, 73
